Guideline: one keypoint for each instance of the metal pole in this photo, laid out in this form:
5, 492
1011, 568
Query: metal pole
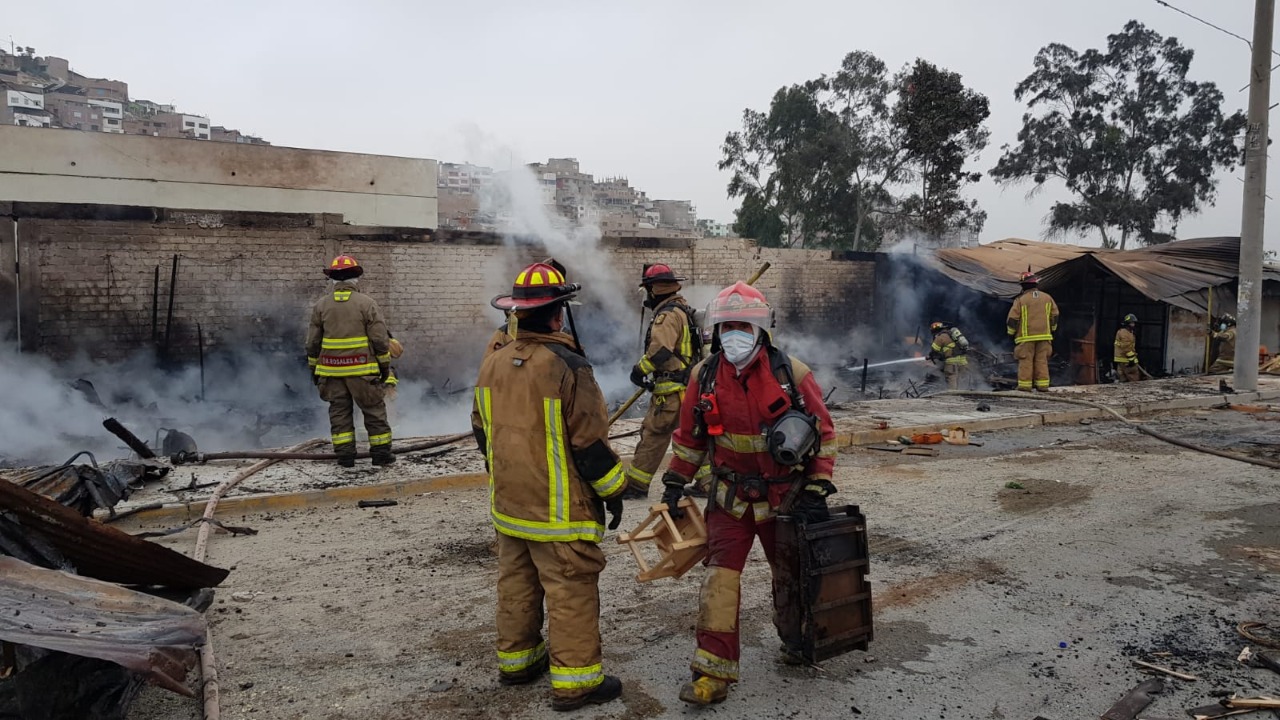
168, 323
200, 344
1249, 292
17, 284
155, 307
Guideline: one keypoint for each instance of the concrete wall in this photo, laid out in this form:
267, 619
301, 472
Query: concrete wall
249, 280
55, 166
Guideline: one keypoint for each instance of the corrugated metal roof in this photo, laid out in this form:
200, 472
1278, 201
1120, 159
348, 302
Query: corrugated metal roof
96, 550
1176, 273
59, 611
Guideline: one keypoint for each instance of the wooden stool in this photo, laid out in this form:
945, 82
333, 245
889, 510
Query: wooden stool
681, 543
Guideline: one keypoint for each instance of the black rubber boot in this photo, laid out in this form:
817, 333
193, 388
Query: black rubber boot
527, 675
607, 691
346, 455
381, 455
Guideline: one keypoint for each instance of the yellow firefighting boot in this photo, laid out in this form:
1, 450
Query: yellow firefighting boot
704, 690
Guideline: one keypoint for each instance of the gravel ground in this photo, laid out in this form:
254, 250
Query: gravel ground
991, 602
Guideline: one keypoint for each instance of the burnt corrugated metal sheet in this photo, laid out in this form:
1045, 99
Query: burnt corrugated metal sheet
85, 487
97, 550
59, 611
1177, 273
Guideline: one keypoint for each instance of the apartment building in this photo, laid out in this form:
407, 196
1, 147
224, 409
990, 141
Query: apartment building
46, 92
24, 105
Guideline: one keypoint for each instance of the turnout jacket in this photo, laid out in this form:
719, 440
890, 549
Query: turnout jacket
347, 337
1226, 344
951, 347
1033, 317
744, 399
1126, 347
668, 347
543, 426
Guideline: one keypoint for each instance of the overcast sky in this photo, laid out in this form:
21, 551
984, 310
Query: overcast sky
645, 90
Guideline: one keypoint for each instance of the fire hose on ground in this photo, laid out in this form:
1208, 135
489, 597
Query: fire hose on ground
1135, 425
208, 665
291, 454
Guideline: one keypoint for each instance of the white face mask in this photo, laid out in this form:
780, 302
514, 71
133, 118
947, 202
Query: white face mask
737, 345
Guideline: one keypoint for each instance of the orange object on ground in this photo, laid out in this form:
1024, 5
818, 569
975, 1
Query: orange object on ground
932, 438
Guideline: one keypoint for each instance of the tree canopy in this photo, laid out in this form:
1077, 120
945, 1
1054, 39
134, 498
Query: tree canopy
828, 163
1135, 142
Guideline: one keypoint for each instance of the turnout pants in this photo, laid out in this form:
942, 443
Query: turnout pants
729, 541
565, 576
655, 438
1128, 373
1223, 366
341, 393
957, 375
1033, 364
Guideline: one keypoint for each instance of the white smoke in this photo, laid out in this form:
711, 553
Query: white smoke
53, 410
607, 318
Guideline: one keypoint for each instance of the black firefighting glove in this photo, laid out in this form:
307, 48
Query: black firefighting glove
810, 505
1133, 361
640, 379
674, 490
934, 355
614, 506
315, 379
384, 372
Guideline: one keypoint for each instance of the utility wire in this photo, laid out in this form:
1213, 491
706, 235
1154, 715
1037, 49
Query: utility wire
1202, 21
1219, 29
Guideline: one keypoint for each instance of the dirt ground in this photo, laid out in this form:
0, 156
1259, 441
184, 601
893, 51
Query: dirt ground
1011, 580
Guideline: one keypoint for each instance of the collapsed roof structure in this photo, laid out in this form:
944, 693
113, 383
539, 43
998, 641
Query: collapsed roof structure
1173, 288
1176, 273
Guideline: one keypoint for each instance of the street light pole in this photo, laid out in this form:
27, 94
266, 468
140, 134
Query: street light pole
1249, 292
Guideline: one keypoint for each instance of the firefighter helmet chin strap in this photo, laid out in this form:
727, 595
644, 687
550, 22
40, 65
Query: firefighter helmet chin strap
573, 330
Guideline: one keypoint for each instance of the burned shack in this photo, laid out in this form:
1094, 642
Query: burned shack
1174, 289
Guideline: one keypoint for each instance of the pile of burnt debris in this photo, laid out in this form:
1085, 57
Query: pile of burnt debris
89, 614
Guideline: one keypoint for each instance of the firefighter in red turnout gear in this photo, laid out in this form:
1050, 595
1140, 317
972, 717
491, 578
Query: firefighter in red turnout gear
757, 416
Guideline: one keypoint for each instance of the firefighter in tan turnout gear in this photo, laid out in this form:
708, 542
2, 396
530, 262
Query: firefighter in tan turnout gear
672, 347
951, 348
1125, 355
349, 352
1224, 336
1032, 321
542, 424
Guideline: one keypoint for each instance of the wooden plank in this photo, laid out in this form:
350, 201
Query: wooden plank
1135, 701
1254, 703
1165, 670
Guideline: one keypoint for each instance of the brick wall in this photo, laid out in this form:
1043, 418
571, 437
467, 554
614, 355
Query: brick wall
249, 279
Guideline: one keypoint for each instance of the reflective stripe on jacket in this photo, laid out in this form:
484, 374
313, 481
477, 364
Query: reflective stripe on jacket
1126, 346
347, 337
669, 348
743, 448
946, 344
542, 423
1033, 317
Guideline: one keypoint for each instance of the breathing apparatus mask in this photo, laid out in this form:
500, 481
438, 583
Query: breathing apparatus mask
793, 439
